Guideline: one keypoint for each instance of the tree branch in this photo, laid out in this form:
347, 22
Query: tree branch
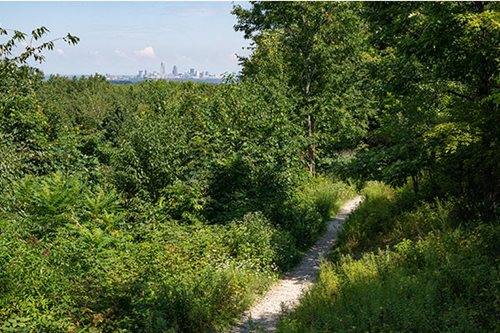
459, 95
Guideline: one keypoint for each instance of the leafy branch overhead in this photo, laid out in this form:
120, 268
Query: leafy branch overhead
30, 50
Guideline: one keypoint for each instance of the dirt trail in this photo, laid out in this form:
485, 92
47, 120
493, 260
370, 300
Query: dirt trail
263, 316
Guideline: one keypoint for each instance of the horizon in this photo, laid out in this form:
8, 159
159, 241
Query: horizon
122, 38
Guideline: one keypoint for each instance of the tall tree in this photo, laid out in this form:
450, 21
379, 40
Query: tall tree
23, 123
317, 47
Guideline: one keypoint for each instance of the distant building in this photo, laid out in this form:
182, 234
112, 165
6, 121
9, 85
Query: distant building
192, 75
162, 70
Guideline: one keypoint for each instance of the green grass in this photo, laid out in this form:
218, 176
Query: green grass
184, 278
405, 266
431, 285
388, 216
70, 261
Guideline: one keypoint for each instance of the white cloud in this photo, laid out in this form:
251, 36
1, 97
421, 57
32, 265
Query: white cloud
60, 52
147, 52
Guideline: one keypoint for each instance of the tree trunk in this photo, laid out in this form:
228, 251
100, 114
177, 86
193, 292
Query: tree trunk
312, 146
414, 180
311, 149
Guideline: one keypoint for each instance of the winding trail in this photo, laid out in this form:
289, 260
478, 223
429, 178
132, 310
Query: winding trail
264, 316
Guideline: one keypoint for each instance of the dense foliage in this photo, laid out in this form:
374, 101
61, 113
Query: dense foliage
438, 76
320, 50
425, 77
148, 208
168, 207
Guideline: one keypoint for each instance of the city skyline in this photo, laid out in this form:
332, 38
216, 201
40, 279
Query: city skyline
192, 74
121, 38
175, 71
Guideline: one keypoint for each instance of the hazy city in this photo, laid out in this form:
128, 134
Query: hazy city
169, 75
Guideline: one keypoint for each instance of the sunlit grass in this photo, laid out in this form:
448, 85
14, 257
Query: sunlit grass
404, 269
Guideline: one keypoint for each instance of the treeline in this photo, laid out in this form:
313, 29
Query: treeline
167, 206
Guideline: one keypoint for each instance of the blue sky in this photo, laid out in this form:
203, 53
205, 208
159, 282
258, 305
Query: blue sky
124, 37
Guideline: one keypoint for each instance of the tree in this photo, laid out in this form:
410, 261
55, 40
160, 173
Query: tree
317, 47
31, 50
23, 124
439, 64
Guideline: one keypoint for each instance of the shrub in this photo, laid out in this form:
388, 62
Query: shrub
404, 265
310, 206
370, 222
387, 216
255, 242
50, 202
68, 241
157, 207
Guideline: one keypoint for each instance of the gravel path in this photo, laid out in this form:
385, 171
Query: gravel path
264, 316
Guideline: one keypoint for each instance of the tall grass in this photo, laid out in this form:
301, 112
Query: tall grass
430, 285
311, 205
405, 266
388, 215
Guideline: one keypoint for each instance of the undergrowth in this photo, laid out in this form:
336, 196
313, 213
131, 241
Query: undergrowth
74, 258
405, 265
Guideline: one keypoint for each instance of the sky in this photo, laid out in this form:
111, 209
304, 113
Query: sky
125, 37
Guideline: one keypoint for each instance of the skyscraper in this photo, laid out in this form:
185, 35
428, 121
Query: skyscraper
175, 71
162, 70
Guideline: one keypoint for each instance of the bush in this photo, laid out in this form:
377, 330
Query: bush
187, 279
51, 202
405, 265
95, 271
310, 206
368, 225
157, 207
